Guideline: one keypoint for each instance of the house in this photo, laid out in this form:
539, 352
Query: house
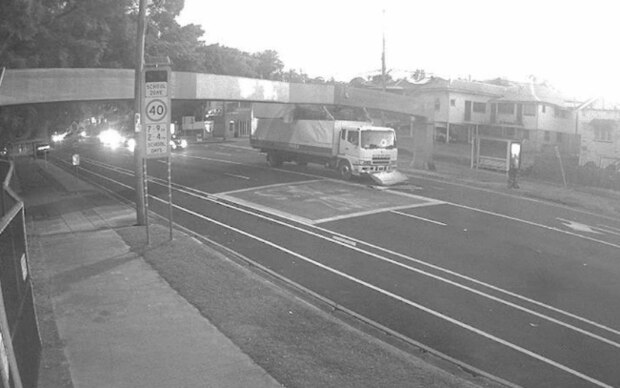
599, 127
531, 112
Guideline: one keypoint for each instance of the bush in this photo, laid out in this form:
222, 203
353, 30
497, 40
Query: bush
546, 167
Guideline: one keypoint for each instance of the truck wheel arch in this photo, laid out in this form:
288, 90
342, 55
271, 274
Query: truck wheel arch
345, 170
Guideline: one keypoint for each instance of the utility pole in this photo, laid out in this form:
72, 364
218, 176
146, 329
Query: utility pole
383, 55
140, 146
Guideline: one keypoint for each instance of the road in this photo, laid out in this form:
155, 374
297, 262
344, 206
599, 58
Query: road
515, 288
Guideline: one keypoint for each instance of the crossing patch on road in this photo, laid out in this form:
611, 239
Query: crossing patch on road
319, 201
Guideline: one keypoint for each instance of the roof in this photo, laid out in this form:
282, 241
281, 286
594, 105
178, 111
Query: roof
458, 85
500, 90
531, 92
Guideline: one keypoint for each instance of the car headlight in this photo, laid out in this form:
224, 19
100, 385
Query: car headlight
183, 143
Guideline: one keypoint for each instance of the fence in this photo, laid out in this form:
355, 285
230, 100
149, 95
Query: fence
20, 342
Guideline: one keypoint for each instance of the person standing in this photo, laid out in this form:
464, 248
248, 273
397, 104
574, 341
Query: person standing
513, 171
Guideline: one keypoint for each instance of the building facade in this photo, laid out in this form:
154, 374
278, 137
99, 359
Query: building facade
461, 110
599, 127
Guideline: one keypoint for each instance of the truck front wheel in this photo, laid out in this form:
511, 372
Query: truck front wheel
344, 168
273, 159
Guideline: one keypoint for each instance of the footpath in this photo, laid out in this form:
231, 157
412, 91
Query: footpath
108, 318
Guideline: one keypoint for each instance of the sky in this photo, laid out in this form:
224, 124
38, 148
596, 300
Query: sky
573, 45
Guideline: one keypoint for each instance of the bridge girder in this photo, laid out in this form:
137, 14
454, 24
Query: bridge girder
34, 86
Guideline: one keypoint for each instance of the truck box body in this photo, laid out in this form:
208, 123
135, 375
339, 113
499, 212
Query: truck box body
312, 137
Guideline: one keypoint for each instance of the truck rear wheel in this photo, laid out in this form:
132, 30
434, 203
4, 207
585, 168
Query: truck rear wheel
273, 159
344, 169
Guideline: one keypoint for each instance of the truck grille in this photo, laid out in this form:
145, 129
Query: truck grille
381, 159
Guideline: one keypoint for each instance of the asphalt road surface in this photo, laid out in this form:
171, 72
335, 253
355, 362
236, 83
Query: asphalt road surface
519, 289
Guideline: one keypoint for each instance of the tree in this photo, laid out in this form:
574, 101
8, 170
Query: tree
419, 75
101, 33
229, 61
269, 65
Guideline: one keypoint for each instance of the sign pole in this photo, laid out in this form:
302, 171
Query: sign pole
170, 195
146, 201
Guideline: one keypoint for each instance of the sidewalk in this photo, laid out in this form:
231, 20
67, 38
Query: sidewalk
107, 318
113, 313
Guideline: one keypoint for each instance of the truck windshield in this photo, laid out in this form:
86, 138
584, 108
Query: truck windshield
378, 139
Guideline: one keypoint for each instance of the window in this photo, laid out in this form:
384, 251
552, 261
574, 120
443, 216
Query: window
353, 137
453, 102
544, 108
437, 104
602, 134
480, 107
506, 108
561, 113
529, 109
603, 129
547, 136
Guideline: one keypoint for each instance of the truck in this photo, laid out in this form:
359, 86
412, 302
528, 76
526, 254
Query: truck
338, 137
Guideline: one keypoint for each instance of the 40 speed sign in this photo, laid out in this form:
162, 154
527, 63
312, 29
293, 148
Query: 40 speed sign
157, 112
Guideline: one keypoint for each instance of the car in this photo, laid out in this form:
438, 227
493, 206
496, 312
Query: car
177, 143
42, 149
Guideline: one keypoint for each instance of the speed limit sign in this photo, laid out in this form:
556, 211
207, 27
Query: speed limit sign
156, 110
156, 113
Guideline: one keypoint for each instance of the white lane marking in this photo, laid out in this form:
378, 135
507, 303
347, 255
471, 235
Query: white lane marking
547, 203
472, 290
238, 176
210, 159
577, 226
535, 224
104, 177
478, 282
258, 207
374, 211
413, 304
604, 229
344, 240
609, 227
227, 193
207, 196
235, 146
419, 218
402, 299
